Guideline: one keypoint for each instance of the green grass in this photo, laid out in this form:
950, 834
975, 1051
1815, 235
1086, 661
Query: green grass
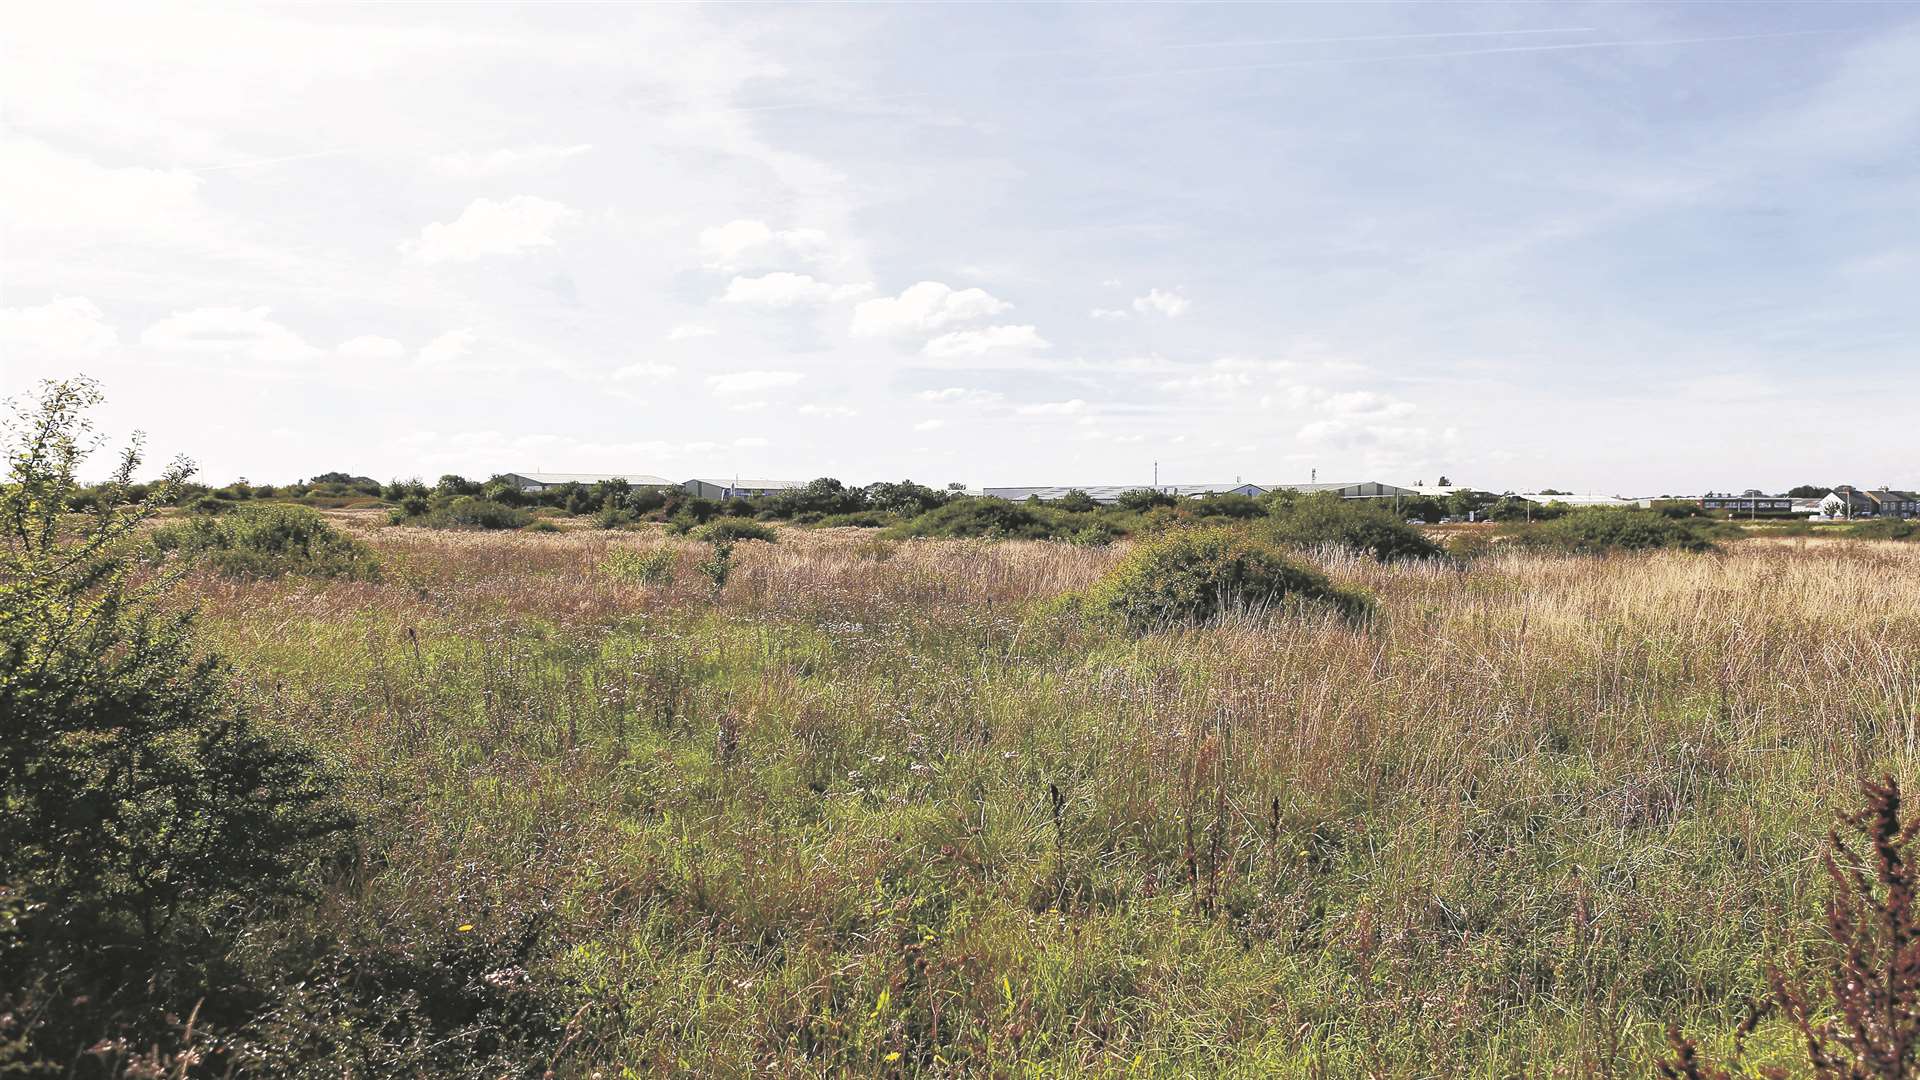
1538, 808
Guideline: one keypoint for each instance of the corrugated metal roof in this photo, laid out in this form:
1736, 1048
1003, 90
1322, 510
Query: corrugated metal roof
550, 479
743, 484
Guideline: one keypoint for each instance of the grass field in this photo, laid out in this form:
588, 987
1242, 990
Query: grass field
868, 810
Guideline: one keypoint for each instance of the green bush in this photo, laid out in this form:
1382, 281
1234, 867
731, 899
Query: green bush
464, 512
1328, 520
148, 822
541, 525
727, 530
1883, 529
268, 540
641, 567
1196, 575
995, 519
1601, 529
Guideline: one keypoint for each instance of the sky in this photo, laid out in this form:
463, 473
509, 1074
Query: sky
1618, 248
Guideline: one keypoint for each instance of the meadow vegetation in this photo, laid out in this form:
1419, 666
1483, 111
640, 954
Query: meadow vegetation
623, 802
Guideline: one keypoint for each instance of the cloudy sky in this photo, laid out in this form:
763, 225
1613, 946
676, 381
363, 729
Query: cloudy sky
1617, 247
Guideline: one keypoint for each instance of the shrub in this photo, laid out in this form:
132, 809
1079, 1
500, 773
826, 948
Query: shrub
641, 567
1602, 529
1076, 502
1196, 575
147, 820
1883, 529
730, 529
1144, 499
1328, 520
541, 525
267, 541
464, 512
982, 517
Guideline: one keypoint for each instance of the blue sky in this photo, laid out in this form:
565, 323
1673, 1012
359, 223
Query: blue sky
1619, 247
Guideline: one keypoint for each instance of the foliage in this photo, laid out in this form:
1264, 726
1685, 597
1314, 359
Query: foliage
1197, 575
264, 541
1360, 526
1076, 502
146, 816
1883, 529
1864, 1023
982, 517
650, 567
1809, 491
1138, 499
462, 512
718, 565
731, 529
1601, 529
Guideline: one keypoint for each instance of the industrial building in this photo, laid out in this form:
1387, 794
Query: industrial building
740, 489
541, 481
1110, 493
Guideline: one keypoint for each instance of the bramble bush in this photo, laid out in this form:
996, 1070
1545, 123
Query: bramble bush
147, 819
461, 512
1198, 575
1328, 520
267, 541
1597, 530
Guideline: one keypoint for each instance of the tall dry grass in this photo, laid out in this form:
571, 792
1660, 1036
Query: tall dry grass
866, 802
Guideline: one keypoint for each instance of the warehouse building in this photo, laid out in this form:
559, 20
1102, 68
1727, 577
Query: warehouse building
541, 481
740, 489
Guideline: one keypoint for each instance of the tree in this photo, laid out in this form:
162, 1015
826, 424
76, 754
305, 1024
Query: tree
1444, 482
906, 497
143, 815
1144, 499
1076, 501
1808, 491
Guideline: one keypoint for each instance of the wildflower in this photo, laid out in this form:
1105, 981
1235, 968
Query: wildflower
465, 928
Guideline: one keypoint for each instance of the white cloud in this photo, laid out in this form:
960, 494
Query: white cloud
67, 327
827, 410
746, 243
248, 333
749, 442
962, 395
689, 331
784, 289
645, 369
961, 343
505, 159
1106, 313
448, 349
1054, 408
371, 347
1170, 304
485, 227
748, 382
921, 308
1350, 403
929, 425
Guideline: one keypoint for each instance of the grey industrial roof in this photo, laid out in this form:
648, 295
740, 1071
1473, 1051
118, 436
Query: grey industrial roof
741, 484
552, 478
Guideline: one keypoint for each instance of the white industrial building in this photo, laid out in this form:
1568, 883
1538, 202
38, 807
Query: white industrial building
541, 481
740, 489
1110, 493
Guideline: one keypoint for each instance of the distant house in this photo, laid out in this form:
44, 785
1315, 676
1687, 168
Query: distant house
1895, 503
541, 481
740, 489
1847, 501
